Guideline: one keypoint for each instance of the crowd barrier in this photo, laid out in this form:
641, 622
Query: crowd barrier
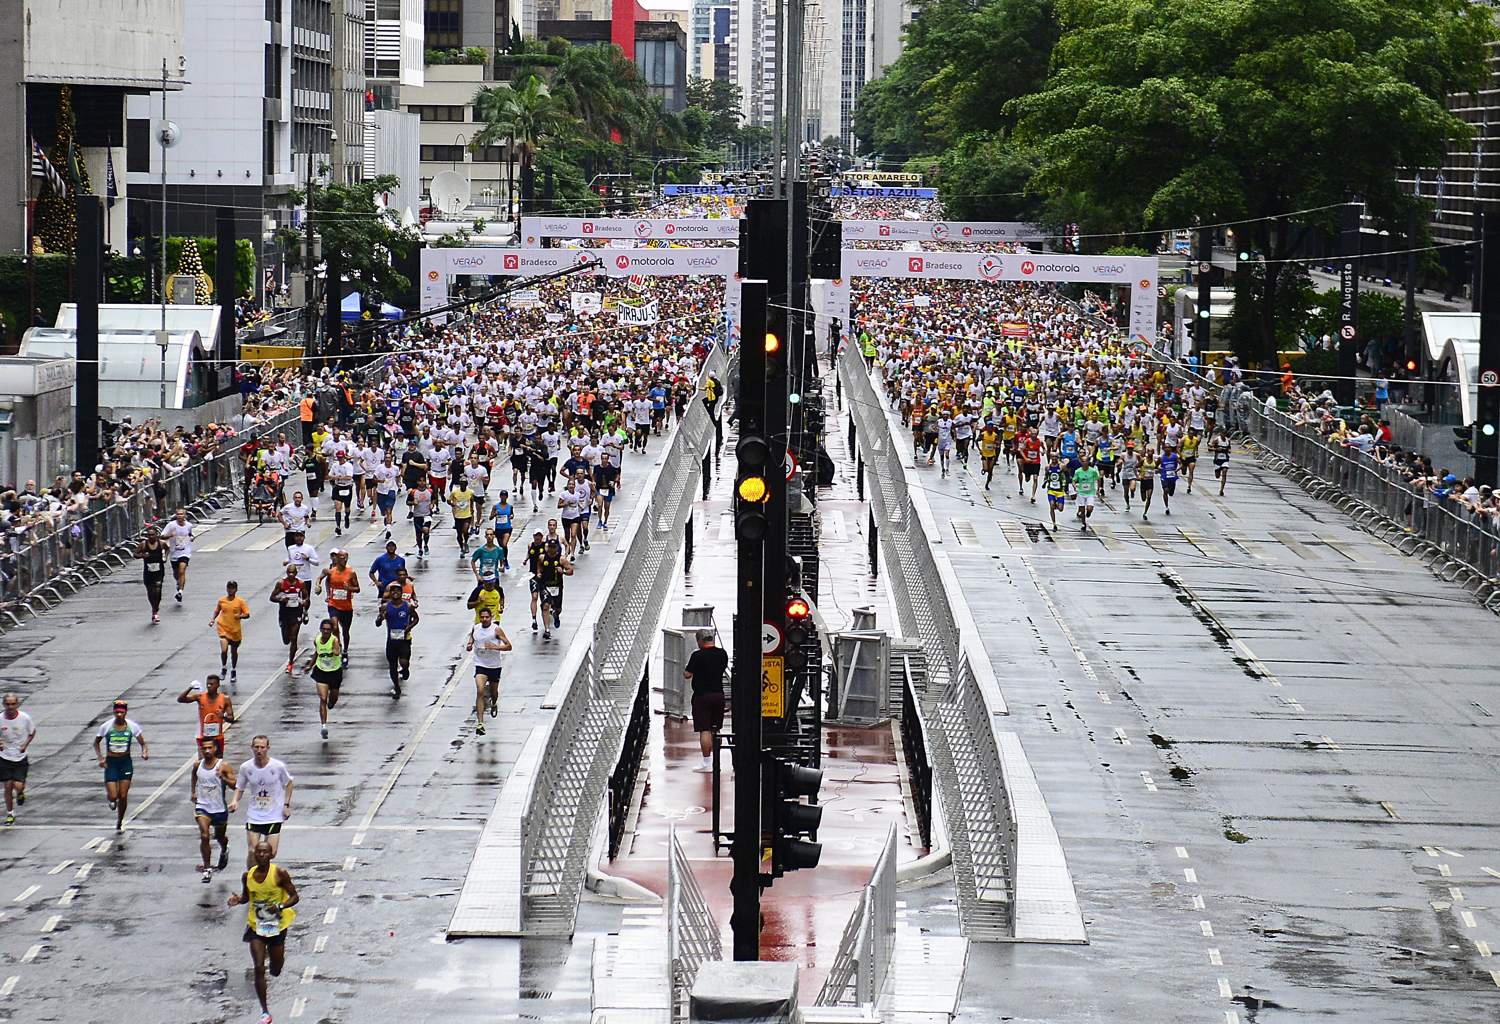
692, 933
863, 961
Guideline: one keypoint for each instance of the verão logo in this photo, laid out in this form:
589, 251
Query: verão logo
623, 262
512, 262
914, 264
1028, 267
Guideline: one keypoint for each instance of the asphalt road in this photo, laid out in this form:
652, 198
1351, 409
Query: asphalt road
386, 814
1269, 745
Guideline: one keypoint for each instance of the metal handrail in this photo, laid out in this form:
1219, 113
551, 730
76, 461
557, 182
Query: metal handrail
628, 765
863, 961
693, 937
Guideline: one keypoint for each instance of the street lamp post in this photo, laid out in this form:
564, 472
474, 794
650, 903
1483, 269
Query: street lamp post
665, 160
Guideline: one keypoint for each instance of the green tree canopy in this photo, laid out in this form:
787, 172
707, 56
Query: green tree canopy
357, 237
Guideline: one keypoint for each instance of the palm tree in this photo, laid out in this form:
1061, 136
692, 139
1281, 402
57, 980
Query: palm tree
525, 117
602, 89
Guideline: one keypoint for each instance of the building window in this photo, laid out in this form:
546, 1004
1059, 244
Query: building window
138, 144
490, 155
448, 154
437, 112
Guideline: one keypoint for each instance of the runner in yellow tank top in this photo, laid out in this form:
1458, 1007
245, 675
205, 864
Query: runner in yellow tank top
267, 893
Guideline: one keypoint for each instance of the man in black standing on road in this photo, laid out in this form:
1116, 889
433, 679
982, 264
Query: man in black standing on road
705, 670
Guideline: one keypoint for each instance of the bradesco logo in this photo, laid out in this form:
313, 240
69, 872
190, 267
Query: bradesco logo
885, 231
916, 264
511, 262
939, 231
588, 227
990, 268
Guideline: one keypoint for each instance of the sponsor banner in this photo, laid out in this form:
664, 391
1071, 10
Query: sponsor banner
886, 193
556, 318
526, 298
887, 177
438, 265
941, 231
1139, 272
637, 315
534, 229
585, 303
705, 190
1012, 329
636, 283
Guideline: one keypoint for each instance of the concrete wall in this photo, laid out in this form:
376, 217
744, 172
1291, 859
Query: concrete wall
118, 42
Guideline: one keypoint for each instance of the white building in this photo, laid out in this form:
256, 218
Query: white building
851, 42
445, 105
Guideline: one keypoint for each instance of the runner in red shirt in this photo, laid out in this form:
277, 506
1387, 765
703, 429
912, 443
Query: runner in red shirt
1030, 447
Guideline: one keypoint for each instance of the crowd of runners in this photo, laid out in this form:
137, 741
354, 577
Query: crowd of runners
513, 431
1017, 376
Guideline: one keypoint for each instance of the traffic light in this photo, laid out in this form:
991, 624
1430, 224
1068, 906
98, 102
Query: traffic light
799, 628
1411, 366
1244, 256
776, 355
751, 488
787, 819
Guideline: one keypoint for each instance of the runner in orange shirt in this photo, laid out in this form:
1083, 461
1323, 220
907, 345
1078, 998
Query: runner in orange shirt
215, 710
343, 584
228, 614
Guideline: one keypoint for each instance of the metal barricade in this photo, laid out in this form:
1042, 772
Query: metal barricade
863, 961
914, 748
692, 933
628, 765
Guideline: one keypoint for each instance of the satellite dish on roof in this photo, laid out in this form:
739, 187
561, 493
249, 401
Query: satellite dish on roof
450, 192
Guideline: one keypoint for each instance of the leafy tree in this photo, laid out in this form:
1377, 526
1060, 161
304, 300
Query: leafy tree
358, 238
982, 176
525, 118
718, 100
1159, 112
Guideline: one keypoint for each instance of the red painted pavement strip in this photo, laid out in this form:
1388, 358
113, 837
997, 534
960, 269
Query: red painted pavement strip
805, 911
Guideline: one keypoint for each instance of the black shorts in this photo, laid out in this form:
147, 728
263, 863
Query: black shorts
341, 616
264, 828
343, 495
1169, 487
14, 771
331, 678
490, 674
290, 622
279, 939
181, 561
708, 712
219, 819
1030, 469
1148, 483
552, 597
398, 650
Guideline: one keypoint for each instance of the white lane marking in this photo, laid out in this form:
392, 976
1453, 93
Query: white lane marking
1149, 782
240, 707
298, 1006
1182, 853
1456, 893
51, 923
83, 872
331, 916
1491, 871
1198, 903
1329, 743
67, 897
9, 986
225, 537
26, 894
1215, 958
459, 676
321, 944
1224, 990
1389, 808
1121, 738
1062, 623
104, 846
1495, 977
1239, 645
1104, 697
1482, 947
61, 867
1231, 1017
93, 842
1206, 928
1190, 876
349, 863
1451, 853
276, 537
1445, 871
338, 887
1468, 919
358, 840
1431, 852
31, 954
308, 973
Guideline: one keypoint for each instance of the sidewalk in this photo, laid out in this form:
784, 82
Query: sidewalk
805, 911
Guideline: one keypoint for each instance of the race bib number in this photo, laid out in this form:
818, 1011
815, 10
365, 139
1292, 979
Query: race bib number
119, 743
339, 594
293, 601
211, 729
398, 634
267, 920
262, 800
554, 591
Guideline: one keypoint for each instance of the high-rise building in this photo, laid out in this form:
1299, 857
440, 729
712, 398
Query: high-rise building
854, 44
107, 54
347, 90
394, 60
460, 24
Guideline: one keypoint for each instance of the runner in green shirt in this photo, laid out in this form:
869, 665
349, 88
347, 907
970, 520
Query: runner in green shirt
1086, 484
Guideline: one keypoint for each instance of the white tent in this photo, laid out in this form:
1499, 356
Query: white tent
1452, 343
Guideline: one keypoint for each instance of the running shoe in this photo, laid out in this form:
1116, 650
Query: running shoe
289, 668
479, 729
324, 731
533, 625
234, 675
264, 1018
179, 597
111, 805
557, 622
405, 673
546, 634
223, 860
155, 618
10, 819
208, 876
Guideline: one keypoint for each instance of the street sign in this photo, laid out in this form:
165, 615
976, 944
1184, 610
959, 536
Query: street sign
1347, 332
791, 465
770, 638
773, 687
1204, 268
1489, 378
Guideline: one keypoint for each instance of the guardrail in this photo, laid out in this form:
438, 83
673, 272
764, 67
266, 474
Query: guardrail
628, 767
863, 961
962, 691
692, 933
535, 846
914, 748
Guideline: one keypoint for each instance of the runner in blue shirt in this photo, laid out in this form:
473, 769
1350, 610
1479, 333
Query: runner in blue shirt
384, 569
504, 515
1068, 450
658, 396
1168, 471
399, 618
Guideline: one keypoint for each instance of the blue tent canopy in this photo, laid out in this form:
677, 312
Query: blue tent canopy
349, 309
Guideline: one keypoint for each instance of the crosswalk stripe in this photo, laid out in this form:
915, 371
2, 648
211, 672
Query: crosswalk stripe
1148, 533
277, 536
1065, 540
1015, 534
223, 537
1106, 536
1208, 547
1243, 545
1295, 546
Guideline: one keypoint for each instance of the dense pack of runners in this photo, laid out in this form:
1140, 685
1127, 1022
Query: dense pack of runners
1016, 377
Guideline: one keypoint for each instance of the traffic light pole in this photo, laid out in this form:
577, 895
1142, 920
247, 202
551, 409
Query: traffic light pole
1203, 328
750, 605
1347, 342
1487, 420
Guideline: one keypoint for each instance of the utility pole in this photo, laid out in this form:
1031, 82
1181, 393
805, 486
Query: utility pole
1347, 342
89, 282
752, 491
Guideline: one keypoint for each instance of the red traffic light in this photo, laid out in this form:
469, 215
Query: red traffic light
797, 609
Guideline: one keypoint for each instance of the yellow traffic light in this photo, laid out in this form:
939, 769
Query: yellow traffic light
753, 489
773, 344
